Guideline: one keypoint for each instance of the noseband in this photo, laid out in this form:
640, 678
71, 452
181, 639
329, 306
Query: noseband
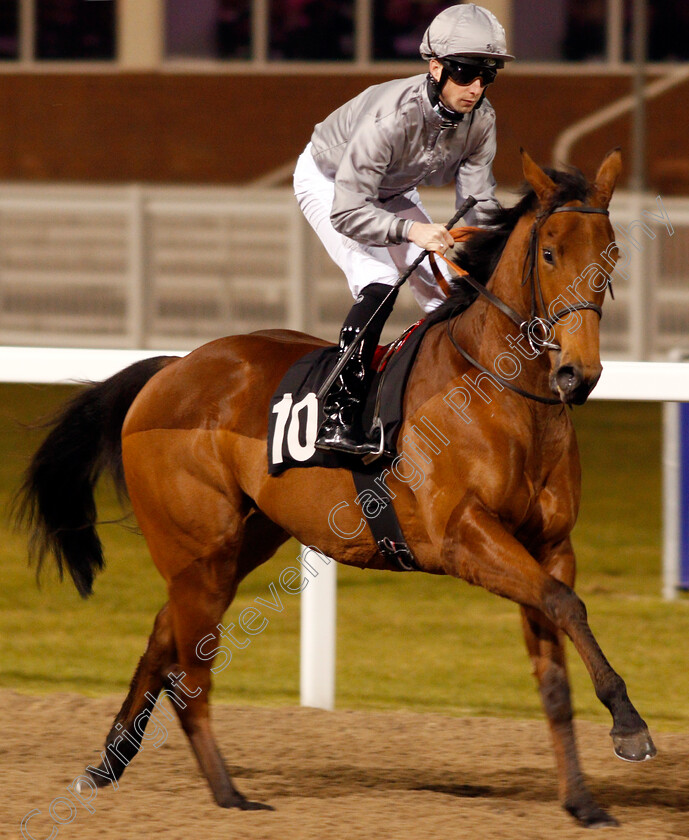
535, 323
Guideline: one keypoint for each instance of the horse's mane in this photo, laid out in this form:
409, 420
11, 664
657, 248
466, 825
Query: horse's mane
480, 254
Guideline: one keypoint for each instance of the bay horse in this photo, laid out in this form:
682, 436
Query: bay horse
186, 439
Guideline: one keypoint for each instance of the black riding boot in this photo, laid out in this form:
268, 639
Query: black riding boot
344, 403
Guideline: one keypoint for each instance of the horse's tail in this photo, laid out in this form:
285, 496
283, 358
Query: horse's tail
55, 502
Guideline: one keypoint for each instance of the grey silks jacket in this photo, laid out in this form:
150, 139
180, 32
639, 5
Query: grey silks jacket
385, 142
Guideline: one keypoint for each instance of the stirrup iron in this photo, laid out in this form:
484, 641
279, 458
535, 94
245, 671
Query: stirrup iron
372, 456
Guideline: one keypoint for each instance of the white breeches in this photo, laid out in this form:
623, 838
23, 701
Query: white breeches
364, 264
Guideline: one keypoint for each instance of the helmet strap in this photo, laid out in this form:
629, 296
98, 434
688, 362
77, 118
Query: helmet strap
434, 88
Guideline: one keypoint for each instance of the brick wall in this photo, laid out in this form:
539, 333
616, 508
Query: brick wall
229, 129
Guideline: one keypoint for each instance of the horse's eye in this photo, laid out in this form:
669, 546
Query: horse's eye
548, 256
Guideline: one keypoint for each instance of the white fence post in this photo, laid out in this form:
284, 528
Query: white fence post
638, 335
671, 500
136, 274
674, 489
299, 308
318, 629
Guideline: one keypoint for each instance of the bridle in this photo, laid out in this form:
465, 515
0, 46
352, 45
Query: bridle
536, 323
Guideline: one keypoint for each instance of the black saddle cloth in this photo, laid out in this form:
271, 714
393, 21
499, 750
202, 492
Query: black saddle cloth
296, 415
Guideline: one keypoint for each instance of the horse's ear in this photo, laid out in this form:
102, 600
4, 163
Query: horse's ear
606, 178
544, 187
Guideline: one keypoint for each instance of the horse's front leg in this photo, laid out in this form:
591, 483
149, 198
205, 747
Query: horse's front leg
478, 549
544, 643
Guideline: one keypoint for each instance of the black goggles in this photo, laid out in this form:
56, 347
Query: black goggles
463, 73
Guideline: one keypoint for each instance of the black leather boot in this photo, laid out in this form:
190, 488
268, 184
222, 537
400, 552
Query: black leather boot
344, 403
342, 430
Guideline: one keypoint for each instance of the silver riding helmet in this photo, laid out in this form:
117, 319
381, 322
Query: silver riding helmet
465, 30
465, 34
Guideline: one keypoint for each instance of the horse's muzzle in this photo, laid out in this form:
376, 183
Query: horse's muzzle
571, 385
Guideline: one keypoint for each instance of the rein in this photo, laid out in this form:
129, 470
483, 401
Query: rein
535, 322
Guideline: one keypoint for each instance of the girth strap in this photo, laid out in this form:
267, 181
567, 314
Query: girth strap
384, 525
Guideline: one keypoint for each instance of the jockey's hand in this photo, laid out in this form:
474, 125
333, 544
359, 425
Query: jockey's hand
430, 237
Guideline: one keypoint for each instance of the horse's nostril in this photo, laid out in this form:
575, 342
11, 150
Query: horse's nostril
568, 379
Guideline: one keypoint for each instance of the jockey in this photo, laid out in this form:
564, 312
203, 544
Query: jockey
356, 185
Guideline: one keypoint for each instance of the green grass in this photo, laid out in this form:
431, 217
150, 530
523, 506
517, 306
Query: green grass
404, 640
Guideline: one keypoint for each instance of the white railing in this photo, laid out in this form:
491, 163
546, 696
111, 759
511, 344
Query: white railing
157, 267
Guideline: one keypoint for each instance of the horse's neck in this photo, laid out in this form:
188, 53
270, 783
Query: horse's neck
506, 281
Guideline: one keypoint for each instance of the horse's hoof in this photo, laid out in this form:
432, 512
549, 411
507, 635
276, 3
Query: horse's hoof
591, 815
80, 788
636, 747
600, 820
244, 804
247, 805
100, 781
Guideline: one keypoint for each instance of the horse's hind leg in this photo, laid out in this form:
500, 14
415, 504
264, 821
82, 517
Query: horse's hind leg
197, 608
198, 598
544, 644
160, 661
124, 740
